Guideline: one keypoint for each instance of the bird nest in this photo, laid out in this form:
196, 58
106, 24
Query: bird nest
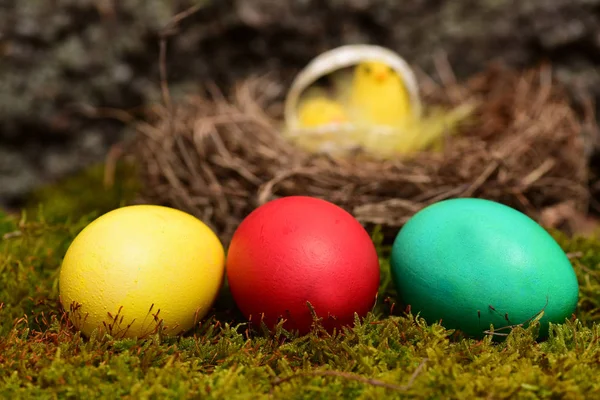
220, 156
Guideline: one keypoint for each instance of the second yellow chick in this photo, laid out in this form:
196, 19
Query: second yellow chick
318, 111
378, 95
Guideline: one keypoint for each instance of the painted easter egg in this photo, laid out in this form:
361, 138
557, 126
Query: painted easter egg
472, 262
299, 249
141, 268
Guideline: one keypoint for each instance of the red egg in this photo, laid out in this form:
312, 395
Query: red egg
299, 249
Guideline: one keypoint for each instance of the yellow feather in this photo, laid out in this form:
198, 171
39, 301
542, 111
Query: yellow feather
426, 133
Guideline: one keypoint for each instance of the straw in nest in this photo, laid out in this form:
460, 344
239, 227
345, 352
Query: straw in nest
218, 157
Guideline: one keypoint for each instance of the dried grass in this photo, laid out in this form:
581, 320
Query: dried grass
218, 157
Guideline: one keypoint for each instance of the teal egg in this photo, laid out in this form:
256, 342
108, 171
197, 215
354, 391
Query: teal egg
472, 262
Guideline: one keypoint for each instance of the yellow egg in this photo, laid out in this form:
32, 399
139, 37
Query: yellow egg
137, 268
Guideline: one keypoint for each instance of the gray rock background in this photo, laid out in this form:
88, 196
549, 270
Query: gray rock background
59, 57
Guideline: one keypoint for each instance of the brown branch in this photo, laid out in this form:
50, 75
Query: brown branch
164, 86
575, 254
355, 377
11, 235
481, 179
120, 115
169, 30
595, 274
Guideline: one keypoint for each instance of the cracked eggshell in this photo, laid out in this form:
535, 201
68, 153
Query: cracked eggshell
131, 262
472, 262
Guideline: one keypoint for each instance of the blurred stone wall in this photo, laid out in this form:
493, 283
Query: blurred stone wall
59, 57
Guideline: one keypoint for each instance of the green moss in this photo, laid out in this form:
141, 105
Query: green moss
387, 354
86, 193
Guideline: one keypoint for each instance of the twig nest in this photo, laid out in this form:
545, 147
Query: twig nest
331, 137
220, 155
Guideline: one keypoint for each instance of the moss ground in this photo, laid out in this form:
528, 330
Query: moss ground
389, 354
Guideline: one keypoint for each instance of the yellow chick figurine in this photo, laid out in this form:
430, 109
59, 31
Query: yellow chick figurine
378, 95
373, 107
317, 111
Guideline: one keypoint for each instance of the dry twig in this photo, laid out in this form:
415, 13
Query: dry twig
355, 377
